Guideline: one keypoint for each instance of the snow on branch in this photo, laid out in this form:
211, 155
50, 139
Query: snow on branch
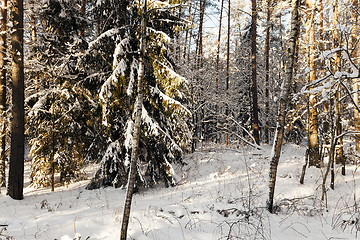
165, 36
346, 56
172, 73
108, 34
166, 98
353, 73
156, 129
133, 69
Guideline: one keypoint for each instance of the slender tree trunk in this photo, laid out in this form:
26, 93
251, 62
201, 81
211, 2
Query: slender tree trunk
200, 64
200, 34
52, 155
83, 12
33, 24
3, 107
16, 168
355, 81
227, 68
137, 125
255, 107
312, 128
326, 124
331, 153
187, 31
267, 70
337, 62
284, 102
218, 134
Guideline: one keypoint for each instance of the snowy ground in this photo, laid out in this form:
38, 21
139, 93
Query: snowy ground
221, 195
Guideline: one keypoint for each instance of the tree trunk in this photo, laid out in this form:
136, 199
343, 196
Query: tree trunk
200, 34
255, 107
3, 51
337, 62
187, 31
200, 64
83, 11
227, 68
312, 121
33, 24
331, 153
326, 124
16, 168
218, 134
137, 125
355, 81
284, 102
267, 70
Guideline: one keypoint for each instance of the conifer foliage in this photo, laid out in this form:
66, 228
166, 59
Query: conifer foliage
60, 124
165, 134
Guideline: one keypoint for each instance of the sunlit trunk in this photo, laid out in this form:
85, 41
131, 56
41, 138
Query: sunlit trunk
312, 121
3, 107
16, 168
284, 102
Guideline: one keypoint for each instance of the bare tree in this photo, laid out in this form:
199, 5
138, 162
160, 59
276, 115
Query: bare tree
284, 101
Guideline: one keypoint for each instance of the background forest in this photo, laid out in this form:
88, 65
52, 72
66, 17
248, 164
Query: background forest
134, 86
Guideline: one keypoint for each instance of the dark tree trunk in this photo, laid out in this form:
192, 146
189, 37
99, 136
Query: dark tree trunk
187, 34
16, 168
3, 51
284, 102
267, 69
200, 65
218, 134
255, 107
83, 12
137, 126
228, 67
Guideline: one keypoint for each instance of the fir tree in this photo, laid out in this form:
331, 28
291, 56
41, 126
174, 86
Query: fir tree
165, 134
61, 122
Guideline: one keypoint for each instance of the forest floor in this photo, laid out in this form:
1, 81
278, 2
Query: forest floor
221, 194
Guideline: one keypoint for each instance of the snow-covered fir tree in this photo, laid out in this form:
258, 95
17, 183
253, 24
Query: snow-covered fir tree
61, 119
165, 134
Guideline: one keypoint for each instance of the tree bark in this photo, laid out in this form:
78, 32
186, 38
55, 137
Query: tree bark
3, 93
200, 34
228, 67
331, 152
267, 70
255, 107
83, 12
355, 81
312, 121
218, 135
337, 62
284, 102
16, 168
187, 32
200, 64
137, 126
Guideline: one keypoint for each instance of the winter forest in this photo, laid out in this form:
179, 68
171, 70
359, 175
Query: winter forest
179, 119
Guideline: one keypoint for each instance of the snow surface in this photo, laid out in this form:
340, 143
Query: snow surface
219, 189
